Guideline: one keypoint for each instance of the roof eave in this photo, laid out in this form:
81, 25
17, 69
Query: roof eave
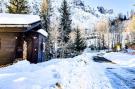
11, 25
33, 25
27, 26
20, 25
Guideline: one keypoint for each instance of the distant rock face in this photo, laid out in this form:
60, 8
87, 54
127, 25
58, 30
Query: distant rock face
102, 10
78, 3
82, 16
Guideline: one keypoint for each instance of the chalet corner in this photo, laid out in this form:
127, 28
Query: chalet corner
21, 37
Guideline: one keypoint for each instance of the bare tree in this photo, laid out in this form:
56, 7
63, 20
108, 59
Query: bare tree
44, 6
101, 28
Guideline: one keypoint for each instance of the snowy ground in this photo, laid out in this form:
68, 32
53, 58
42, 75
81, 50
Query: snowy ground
121, 74
80, 72
75, 73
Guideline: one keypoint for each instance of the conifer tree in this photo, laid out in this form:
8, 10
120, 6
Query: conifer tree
18, 7
79, 42
65, 22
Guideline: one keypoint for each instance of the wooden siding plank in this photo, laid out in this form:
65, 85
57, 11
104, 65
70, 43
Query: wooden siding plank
7, 50
2, 29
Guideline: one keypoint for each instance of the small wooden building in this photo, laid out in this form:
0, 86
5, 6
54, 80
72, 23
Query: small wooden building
21, 37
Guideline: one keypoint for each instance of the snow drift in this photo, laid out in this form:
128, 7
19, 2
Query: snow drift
123, 59
73, 73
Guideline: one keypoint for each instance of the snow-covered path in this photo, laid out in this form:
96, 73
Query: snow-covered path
121, 74
74, 73
121, 78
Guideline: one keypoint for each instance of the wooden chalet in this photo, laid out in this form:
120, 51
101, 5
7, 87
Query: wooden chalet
21, 37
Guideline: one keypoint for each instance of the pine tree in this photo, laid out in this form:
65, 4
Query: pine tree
18, 7
65, 22
79, 42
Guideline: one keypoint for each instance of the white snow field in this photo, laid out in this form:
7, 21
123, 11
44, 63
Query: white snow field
80, 72
123, 59
73, 73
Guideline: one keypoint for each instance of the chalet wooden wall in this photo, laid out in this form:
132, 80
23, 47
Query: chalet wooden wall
11, 46
36, 47
42, 48
7, 47
32, 45
13, 29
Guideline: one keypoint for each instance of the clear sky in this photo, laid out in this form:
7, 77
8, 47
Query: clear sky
118, 5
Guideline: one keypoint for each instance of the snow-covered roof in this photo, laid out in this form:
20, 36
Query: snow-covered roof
18, 19
43, 32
